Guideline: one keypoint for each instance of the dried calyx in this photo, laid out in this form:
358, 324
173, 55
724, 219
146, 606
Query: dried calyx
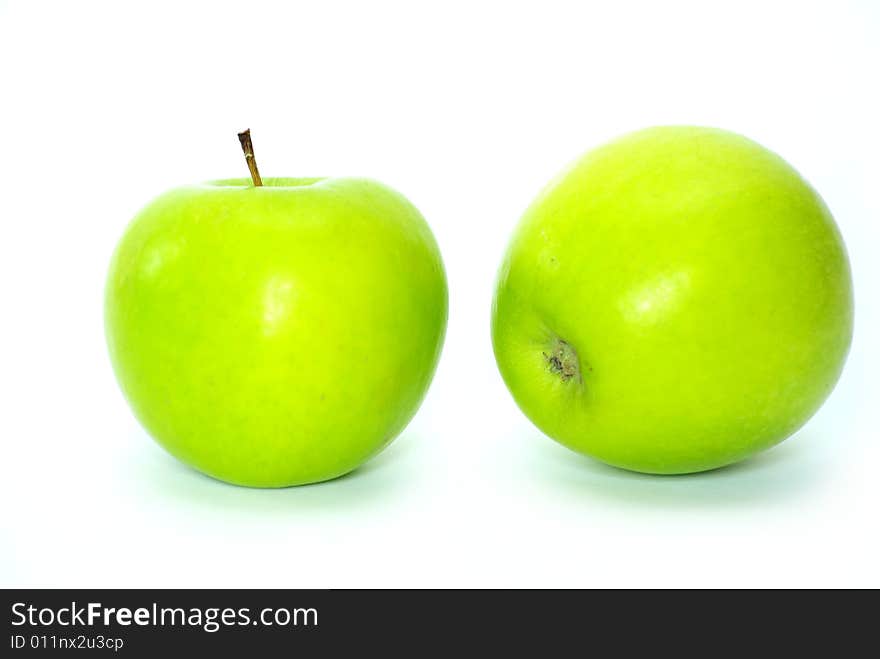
562, 360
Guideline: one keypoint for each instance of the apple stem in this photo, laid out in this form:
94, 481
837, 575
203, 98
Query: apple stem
248, 147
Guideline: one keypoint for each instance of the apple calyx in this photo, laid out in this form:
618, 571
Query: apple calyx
248, 147
562, 360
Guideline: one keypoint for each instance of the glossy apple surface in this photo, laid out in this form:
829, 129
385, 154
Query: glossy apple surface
675, 301
276, 335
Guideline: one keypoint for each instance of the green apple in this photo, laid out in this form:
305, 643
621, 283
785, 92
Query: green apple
276, 335
675, 301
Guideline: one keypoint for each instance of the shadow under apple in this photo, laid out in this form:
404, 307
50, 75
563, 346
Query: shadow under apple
794, 469
378, 479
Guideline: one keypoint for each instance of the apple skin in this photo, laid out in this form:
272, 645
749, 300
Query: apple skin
277, 335
673, 302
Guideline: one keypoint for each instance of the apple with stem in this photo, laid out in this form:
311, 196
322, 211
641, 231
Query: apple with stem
277, 331
675, 301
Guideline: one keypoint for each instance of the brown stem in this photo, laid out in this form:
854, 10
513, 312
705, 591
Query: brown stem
248, 148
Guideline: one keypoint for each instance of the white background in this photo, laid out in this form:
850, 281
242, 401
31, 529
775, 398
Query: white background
468, 108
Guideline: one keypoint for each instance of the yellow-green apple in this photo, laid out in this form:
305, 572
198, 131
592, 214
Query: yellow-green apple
278, 334
674, 301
